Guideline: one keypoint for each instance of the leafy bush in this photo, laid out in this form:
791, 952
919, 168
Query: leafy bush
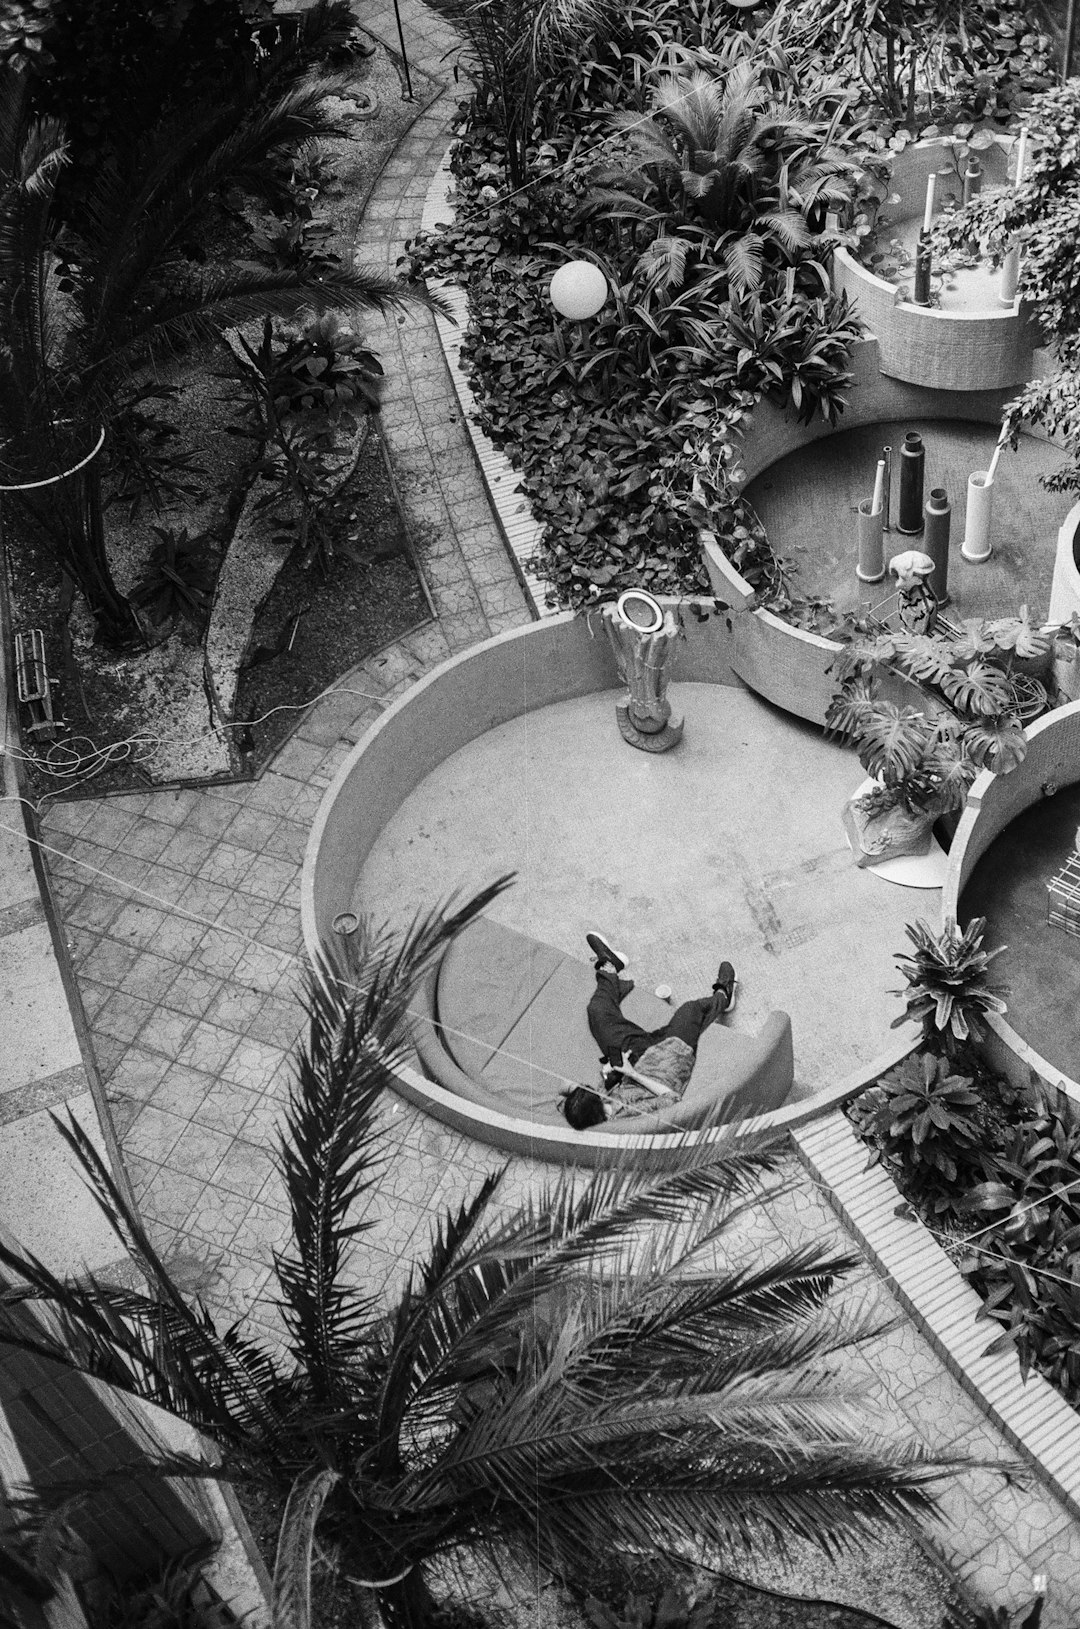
143, 463
179, 580
1026, 1260
930, 1125
948, 993
916, 760
674, 1608
296, 244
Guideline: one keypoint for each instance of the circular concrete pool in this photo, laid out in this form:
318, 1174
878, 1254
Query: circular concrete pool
730, 845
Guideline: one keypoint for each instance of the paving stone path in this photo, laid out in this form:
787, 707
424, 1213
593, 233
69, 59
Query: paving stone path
181, 911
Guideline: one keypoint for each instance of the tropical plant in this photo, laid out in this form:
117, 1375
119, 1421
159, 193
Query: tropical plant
512, 47
1040, 216
929, 1124
299, 400
179, 577
916, 761
82, 314
577, 1375
968, 682
674, 1608
296, 244
143, 464
948, 993
721, 166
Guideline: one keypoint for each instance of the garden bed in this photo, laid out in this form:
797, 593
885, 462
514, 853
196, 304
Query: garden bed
146, 718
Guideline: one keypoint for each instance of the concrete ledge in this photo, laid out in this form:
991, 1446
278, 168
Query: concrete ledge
994, 801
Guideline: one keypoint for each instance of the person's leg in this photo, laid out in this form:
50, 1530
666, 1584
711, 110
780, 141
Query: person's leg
613, 1032
689, 1020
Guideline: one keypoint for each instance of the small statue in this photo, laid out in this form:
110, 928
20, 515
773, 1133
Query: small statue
916, 603
642, 636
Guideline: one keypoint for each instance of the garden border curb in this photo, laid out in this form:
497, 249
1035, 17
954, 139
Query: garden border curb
1031, 1414
522, 533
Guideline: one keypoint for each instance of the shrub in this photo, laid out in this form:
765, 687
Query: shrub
179, 580
948, 993
930, 1125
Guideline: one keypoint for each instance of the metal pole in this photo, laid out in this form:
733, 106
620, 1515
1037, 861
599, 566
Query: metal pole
405, 55
1069, 41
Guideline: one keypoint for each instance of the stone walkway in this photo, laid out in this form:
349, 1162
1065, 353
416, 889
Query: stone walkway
180, 908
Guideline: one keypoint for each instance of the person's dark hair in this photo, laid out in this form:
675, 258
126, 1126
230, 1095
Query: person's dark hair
583, 1108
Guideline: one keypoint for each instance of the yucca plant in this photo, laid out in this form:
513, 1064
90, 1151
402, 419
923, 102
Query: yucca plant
948, 991
583, 1373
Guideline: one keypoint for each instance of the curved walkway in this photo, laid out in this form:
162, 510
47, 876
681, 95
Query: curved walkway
180, 909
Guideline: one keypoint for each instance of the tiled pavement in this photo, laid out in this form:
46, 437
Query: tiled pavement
181, 911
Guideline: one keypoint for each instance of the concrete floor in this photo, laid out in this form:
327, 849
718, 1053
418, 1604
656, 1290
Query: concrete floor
807, 503
729, 845
1041, 965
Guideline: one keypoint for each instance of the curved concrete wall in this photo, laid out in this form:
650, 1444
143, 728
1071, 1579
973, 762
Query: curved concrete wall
791, 666
527, 668
1065, 589
945, 350
1053, 760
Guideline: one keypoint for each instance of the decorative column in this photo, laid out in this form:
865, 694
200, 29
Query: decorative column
642, 637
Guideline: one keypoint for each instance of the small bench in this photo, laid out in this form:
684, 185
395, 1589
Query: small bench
501, 1021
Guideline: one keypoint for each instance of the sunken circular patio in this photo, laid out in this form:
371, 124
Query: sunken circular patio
509, 757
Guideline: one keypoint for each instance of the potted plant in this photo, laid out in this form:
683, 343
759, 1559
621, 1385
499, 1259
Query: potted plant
981, 681
1065, 659
918, 764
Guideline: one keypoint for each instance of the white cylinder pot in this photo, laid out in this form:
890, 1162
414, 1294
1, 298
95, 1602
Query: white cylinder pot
980, 498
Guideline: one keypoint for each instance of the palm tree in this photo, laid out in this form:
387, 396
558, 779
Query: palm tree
513, 45
584, 1373
80, 311
726, 162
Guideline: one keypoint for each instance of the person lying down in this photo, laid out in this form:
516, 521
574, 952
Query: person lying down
639, 1067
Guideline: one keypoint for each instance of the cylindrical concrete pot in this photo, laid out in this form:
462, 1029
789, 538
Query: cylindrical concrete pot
912, 474
980, 498
871, 566
938, 518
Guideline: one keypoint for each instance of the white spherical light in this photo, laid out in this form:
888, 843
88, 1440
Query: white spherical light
578, 289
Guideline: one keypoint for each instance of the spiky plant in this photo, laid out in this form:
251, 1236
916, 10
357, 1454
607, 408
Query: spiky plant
585, 1372
722, 159
948, 993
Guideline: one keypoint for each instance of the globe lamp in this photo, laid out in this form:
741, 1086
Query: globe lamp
578, 290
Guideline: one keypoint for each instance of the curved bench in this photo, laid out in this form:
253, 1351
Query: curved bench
501, 1022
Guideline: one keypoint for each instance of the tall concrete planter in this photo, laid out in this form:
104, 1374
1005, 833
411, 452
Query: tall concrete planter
944, 350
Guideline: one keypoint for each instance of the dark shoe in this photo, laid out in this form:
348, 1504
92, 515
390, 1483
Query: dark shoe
605, 955
725, 982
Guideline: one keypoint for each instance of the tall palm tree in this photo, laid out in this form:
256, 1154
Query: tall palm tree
581, 1374
725, 161
79, 311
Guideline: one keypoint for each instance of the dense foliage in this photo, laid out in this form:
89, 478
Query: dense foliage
1043, 216
694, 161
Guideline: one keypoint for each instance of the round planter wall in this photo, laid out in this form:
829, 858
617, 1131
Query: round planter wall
787, 665
1065, 590
946, 350
526, 669
1053, 760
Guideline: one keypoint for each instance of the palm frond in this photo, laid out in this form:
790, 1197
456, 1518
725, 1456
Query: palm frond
292, 1564
357, 1001
743, 257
